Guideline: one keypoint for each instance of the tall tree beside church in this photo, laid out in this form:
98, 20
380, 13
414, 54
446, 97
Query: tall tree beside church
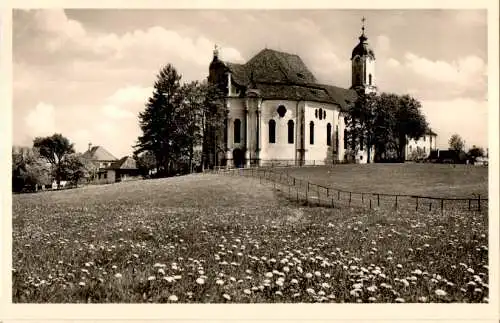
159, 120
368, 123
214, 115
54, 149
410, 123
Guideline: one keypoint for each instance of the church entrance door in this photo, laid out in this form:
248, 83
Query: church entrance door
238, 158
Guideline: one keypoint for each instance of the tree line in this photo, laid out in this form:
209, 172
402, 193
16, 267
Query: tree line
50, 159
383, 123
182, 126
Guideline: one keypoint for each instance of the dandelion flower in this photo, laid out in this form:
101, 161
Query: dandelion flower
150, 278
400, 300
118, 275
372, 288
309, 275
247, 291
219, 282
173, 298
294, 281
440, 292
269, 274
310, 291
82, 284
399, 266
372, 299
422, 299
227, 297
200, 281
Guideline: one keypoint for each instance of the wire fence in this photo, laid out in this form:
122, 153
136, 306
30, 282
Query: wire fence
305, 192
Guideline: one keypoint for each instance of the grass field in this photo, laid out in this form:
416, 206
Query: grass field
209, 238
438, 180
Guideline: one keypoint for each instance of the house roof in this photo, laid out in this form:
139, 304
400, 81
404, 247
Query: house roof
98, 153
430, 132
124, 163
278, 75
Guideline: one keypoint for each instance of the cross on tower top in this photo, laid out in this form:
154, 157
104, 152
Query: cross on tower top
363, 24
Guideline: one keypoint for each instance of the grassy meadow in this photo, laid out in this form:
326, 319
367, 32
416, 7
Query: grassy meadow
440, 180
216, 239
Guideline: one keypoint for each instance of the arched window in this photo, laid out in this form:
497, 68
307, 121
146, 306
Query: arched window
272, 131
237, 131
324, 114
320, 114
316, 113
290, 131
311, 133
328, 134
370, 79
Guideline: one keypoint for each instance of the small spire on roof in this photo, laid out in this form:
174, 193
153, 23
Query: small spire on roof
216, 51
363, 37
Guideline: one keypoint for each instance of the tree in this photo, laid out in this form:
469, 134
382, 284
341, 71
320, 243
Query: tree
145, 162
159, 120
410, 123
28, 169
214, 116
74, 167
54, 149
456, 142
476, 152
361, 122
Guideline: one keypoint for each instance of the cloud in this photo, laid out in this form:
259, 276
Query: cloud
383, 44
115, 112
41, 120
460, 72
130, 94
466, 116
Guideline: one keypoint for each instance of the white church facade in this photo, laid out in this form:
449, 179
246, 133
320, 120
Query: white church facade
278, 113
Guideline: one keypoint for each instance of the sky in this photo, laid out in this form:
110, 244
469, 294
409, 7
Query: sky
87, 73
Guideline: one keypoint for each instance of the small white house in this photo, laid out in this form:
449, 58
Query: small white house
422, 147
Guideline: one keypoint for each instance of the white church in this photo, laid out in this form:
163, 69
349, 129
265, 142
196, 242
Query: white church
278, 113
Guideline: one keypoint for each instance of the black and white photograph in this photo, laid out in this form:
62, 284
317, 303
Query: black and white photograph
250, 156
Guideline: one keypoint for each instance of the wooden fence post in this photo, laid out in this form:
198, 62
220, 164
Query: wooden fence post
350, 197
416, 207
469, 204
370, 204
333, 205
396, 202
430, 206
479, 202
442, 205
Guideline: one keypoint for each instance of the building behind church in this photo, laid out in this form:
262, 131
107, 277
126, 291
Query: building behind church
278, 112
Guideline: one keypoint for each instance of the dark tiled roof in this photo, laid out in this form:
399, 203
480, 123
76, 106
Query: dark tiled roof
124, 163
98, 153
279, 75
363, 48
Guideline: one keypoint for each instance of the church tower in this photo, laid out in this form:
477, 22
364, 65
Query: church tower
363, 65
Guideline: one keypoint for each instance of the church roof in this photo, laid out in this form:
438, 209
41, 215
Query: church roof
280, 75
98, 153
